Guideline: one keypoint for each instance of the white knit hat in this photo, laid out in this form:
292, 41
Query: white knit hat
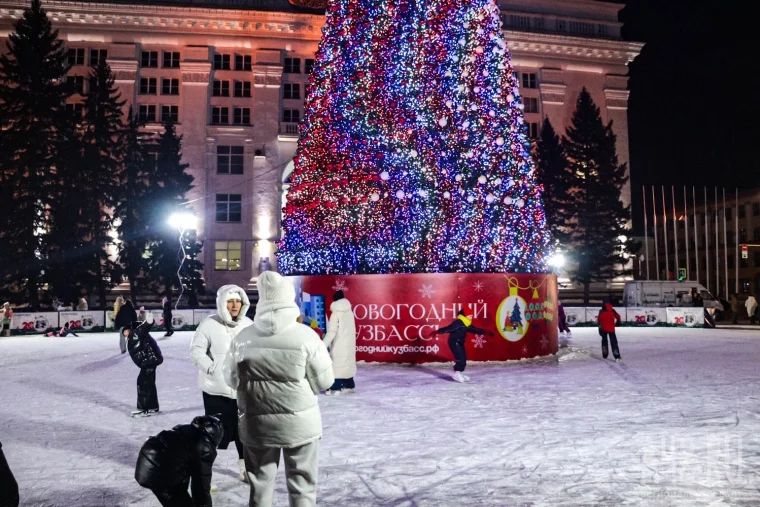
233, 294
273, 287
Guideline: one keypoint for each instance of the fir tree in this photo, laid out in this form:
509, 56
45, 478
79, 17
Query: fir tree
169, 185
102, 128
553, 173
600, 220
134, 208
192, 268
33, 93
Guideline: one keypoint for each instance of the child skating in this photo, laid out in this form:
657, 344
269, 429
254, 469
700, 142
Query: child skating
145, 353
457, 332
608, 317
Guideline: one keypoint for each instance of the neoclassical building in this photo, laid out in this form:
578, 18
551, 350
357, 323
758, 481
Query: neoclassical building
233, 74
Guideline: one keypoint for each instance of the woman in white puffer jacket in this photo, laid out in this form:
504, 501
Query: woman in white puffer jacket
341, 338
208, 349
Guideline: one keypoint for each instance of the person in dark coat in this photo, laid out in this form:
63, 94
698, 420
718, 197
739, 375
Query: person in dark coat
125, 317
608, 317
457, 332
8, 485
174, 459
145, 353
64, 331
167, 315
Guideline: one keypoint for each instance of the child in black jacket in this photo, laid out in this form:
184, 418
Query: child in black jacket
147, 356
457, 332
175, 459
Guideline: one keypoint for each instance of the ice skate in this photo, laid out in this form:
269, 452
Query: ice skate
152, 411
457, 376
348, 390
466, 377
243, 476
605, 352
618, 359
140, 413
330, 392
213, 488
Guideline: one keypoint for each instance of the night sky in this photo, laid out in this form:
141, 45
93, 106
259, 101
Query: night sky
694, 110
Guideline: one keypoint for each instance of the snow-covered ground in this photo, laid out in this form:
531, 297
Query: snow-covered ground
677, 424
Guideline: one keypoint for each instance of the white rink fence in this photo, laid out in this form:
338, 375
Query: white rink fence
97, 321
639, 316
188, 320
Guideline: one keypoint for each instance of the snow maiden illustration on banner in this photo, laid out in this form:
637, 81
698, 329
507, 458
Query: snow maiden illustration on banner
396, 313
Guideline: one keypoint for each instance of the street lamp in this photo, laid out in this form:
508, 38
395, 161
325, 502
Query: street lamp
557, 261
182, 221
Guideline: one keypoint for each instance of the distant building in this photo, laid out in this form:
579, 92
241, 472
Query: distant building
234, 73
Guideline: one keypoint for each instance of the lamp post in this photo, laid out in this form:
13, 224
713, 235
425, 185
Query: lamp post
182, 221
557, 262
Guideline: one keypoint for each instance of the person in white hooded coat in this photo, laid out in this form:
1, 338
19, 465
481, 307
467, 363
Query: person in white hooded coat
278, 367
208, 350
341, 338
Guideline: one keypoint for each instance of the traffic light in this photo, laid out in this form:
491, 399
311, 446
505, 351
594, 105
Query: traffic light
681, 274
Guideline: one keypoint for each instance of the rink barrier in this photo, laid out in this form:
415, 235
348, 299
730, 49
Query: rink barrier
97, 321
639, 316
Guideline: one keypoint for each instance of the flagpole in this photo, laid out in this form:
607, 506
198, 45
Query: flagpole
686, 233
646, 231
707, 244
717, 253
656, 246
665, 232
725, 240
736, 246
696, 231
677, 265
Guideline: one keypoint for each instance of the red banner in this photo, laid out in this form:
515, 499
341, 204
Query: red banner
395, 314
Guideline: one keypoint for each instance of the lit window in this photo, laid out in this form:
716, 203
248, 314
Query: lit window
228, 255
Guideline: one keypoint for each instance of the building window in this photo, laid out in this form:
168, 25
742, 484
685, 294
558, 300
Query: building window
529, 80
242, 88
292, 66
97, 55
742, 236
742, 212
221, 88
531, 129
229, 160
242, 62
291, 115
308, 65
241, 116
221, 62
76, 56
170, 113
531, 104
755, 209
220, 115
170, 86
75, 109
756, 258
77, 83
149, 59
228, 208
756, 234
228, 255
291, 91
148, 86
147, 113
171, 60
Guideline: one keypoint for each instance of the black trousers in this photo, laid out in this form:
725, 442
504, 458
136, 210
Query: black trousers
460, 355
168, 324
147, 396
613, 342
340, 383
227, 407
8, 485
176, 496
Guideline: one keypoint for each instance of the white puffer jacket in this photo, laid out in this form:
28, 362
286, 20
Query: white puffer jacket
341, 338
212, 341
278, 368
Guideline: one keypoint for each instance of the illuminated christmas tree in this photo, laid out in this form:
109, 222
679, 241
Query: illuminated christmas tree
412, 155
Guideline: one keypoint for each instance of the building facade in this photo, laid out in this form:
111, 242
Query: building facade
233, 75
702, 239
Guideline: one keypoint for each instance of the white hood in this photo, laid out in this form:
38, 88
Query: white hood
341, 305
221, 304
276, 309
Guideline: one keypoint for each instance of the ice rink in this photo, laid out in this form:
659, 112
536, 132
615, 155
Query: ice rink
677, 424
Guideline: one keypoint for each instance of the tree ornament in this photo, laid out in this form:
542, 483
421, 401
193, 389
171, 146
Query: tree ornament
374, 197
400, 194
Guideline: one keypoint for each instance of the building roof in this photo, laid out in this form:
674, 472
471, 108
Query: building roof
258, 5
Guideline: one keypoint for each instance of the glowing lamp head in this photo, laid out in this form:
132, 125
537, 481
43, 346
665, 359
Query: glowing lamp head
183, 221
557, 261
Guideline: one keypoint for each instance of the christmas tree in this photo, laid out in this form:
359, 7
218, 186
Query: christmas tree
412, 155
516, 317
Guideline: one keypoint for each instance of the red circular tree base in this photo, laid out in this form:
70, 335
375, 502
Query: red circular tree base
396, 313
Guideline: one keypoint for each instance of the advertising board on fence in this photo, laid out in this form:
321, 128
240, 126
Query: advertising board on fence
34, 323
199, 315
182, 320
639, 316
83, 321
689, 317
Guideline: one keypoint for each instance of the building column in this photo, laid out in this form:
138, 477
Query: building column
616, 99
553, 91
267, 166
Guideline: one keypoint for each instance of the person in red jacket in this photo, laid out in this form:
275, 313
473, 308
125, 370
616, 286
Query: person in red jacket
608, 317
